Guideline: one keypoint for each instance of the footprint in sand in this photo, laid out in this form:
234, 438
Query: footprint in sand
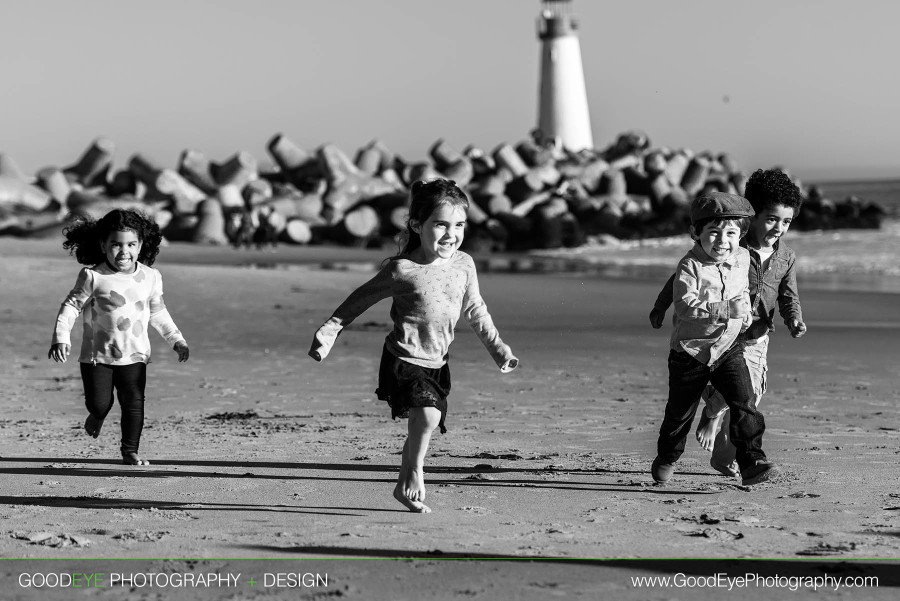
824, 548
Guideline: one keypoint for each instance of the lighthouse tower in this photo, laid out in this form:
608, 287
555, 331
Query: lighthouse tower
563, 112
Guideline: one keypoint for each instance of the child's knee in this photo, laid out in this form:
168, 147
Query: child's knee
424, 418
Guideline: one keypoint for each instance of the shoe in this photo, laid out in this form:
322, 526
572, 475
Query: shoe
92, 425
131, 458
660, 471
760, 471
731, 469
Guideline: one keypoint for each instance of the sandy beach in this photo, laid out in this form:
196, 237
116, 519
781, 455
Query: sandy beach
262, 457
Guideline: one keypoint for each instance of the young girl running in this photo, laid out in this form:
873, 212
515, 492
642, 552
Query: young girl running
430, 282
119, 294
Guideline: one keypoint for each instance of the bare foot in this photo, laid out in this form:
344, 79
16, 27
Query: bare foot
707, 429
414, 506
415, 484
92, 425
731, 469
133, 459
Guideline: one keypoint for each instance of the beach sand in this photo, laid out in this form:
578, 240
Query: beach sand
260, 453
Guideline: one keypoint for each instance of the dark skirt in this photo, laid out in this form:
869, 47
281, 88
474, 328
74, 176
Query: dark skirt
405, 385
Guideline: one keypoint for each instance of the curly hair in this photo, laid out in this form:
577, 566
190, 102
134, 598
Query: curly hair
83, 237
770, 187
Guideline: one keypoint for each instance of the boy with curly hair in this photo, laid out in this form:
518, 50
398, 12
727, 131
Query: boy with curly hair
776, 201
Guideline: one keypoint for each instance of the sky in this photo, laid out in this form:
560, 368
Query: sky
811, 85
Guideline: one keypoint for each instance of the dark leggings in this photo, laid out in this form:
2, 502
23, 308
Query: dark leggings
129, 382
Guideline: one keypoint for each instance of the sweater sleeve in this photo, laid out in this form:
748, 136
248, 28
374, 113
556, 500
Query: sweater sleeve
72, 306
160, 319
476, 313
376, 289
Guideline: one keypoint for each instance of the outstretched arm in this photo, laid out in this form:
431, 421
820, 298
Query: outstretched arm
376, 289
476, 313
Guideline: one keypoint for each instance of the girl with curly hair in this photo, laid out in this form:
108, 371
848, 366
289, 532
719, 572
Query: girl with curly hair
120, 295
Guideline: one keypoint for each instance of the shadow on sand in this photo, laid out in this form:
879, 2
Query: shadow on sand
478, 476
114, 503
886, 571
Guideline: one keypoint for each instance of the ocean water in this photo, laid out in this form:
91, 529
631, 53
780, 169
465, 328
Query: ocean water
857, 259
885, 192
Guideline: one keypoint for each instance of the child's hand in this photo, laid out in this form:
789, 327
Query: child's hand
656, 318
797, 327
59, 352
738, 307
183, 351
509, 366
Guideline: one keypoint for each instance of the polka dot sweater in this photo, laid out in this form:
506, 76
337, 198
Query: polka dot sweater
118, 308
427, 302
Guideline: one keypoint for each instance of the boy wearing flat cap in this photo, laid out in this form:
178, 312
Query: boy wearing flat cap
712, 307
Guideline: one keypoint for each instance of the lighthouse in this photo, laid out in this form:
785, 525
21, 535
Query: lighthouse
563, 113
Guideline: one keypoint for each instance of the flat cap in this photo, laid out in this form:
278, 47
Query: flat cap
720, 204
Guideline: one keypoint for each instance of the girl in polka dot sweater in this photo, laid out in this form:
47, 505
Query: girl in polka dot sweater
120, 295
430, 282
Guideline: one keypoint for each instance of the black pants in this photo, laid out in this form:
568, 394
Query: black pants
129, 382
687, 379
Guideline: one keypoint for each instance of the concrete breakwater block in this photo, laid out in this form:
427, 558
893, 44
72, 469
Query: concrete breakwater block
171, 186
210, 223
531, 193
54, 181
94, 206
347, 186
196, 168
239, 170
297, 231
15, 193
93, 166
9, 167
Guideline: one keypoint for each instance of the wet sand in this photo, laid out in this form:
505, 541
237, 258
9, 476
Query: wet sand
259, 452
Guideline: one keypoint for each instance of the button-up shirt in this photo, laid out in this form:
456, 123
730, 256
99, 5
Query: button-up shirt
705, 292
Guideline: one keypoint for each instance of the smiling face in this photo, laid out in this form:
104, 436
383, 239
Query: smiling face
769, 225
122, 249
719, 240
441, 233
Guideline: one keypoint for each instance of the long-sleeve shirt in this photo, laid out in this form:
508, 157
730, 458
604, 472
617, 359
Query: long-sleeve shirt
117, 308
773, 284
705, 292
427, 301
